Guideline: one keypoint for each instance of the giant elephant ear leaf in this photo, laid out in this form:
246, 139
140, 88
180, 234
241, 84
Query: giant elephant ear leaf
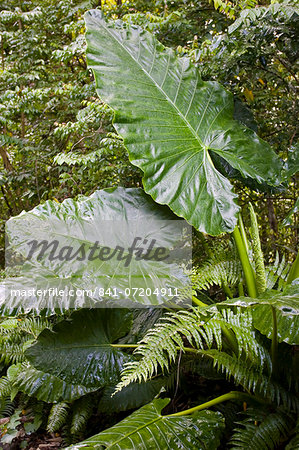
147, 429
80, 350
173, 123
43, 386
111, 218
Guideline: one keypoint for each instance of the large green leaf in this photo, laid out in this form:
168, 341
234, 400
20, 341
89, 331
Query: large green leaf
46, 387
173, 123
287, 325
147, 429
111, 218
286, 304
79, 349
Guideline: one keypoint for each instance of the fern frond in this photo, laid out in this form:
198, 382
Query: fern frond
5, 387
34, 325
249, 347
8, 324
58, 416
223, 268
294, 442
160, 345
277, 272
81, 411
6, 407
261, 283
262, 430
251, 378
15, 333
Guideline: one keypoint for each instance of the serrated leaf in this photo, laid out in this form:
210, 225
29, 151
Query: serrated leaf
147, 429
79, 349
172, 123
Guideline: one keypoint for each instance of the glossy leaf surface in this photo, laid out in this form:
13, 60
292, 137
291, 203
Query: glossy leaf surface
287, 309
287, 302
110, 219
287, 325
79, 350
172, 123
46, 387
147, 429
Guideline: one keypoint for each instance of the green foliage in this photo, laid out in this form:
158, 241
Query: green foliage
262, 429
261, 283
223, 267
249, 376
79, 349
160, 345
17, 334
48, 106
132, 396
180, 108
44, 386
58, 416
57, 140
81, 411
277, 272
70, 223
147, 429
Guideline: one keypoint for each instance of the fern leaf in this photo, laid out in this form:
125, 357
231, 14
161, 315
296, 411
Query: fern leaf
294, 442
160, 345
262, 430
277, 272
222, 268
251, 379
58, 416
81, 411
261, 282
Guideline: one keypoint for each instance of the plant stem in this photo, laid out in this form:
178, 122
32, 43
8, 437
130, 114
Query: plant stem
294, 272
241, 289
197, 302
184, 349
243, 233
205, 244
230, 338
248, 272
233, 395
274, 340
227, 290
124, 345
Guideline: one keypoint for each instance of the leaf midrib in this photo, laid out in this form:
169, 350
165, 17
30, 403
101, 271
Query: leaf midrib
133, 432
156, 84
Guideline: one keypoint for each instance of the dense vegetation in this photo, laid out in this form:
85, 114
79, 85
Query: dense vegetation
87, 107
